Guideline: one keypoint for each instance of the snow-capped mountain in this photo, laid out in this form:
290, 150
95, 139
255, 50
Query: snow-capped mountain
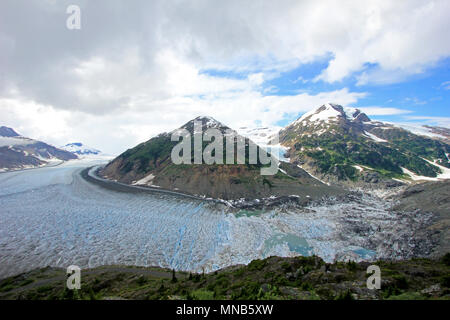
18, 152
7, 132
207, 123
80, 149
344, 144
330, 113
328, 119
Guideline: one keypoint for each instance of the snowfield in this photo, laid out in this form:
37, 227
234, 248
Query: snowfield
80, 149
53, 217
263, 136
374, 137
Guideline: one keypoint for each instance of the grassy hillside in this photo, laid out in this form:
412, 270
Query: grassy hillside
303, 278
338, 151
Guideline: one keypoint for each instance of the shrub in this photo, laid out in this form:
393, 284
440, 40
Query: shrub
345, 296
408, 296
202, 295
446, 281
257, 265
400, 281
352, 266
140, 281
286, 267
446, 259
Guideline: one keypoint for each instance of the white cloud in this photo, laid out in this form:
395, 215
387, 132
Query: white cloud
445, 85
415, 100
137, 69
115, 132
386, 35
432, 120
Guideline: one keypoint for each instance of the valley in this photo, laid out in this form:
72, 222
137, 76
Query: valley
347, 190
54, 217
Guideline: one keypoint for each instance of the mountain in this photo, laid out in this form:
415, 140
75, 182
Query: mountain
80, 149
150, 164
343, 144
439, 133
18, 152
7, 132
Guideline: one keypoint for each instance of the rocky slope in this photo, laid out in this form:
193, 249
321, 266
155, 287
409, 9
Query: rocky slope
18, 152
150, 164
343, 145
431, 197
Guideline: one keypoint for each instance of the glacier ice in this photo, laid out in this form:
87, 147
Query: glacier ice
53, 217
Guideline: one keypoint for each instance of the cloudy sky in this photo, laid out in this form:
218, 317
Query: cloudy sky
137, 68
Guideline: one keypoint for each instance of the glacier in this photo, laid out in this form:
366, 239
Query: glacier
51, 216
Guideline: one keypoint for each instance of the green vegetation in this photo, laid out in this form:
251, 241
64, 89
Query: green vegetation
148, 155
336, 154
155, 154
415, 145
272, 278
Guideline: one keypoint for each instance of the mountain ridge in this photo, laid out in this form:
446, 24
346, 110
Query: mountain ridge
8, 132
344, 145
149, 164
18, 152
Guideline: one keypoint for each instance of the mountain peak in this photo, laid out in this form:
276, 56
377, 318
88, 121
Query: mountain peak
8, 132
80, 149
207, 123
78, 144
332, 111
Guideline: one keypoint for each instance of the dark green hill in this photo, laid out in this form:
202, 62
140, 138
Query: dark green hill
150, 164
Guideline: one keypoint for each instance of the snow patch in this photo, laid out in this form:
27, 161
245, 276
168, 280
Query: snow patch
329, 112
445, 171
315, 115
145, 181
313, 176
262, 136
374, 137
349, 112
400, 180
416, 177
416, 129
